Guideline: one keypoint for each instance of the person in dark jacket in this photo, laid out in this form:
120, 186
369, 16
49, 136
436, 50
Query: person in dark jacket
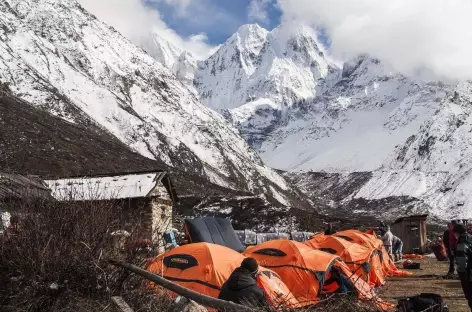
330, 230
345, 286
382, 228
450, 243
463, 256
241, 287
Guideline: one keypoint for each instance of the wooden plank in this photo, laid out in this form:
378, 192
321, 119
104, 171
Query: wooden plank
121, 304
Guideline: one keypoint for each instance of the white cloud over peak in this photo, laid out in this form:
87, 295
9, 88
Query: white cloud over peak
136, 21
257, 11
419, 35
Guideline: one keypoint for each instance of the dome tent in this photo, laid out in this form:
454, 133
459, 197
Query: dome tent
305, 270
204, 267
362, 260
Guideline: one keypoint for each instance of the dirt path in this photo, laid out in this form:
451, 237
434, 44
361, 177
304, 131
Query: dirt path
427, 280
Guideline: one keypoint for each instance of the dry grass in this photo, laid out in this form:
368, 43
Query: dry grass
58, 260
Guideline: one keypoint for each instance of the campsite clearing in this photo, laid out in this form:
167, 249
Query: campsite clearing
429, 279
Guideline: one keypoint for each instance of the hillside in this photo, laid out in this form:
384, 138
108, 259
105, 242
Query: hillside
34, 142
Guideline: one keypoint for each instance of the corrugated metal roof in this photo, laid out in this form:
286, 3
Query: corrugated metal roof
18, 186
108, 187
414, 217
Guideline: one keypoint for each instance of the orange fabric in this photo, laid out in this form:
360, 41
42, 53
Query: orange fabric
330, 288
388, 267
207, 266
208, 276
277, 293
360, 238
364, 291
355, 255
296, 267
303, 269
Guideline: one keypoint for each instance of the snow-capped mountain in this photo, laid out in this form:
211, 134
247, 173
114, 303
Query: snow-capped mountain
255, 64
303, 113
434, 163
180, 62
59, 57
256, 76
355, 124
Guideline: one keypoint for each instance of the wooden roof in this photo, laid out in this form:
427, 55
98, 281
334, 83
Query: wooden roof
15, 186
411, 218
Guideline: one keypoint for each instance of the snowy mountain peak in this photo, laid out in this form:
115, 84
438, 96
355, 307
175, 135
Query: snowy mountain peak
164, 51
257, 64
250, 30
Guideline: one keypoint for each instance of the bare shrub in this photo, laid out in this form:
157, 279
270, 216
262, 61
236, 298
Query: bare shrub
58, 257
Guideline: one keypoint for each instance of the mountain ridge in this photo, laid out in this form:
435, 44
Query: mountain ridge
359, 117
60, 58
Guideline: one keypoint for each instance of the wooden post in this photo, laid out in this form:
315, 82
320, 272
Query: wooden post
204, 300
121, 304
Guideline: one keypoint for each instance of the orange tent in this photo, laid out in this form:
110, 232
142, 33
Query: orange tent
304, 270
204, 267
364, 260
388, 266
360, 238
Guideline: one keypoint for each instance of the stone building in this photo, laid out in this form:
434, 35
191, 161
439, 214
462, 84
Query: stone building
143, 201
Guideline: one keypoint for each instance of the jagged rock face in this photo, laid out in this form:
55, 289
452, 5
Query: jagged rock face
256, 76
256, 64
336, 195
180, 62
62, 59
434, 163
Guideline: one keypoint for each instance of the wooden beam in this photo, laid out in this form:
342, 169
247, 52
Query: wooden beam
204, 300
121, 304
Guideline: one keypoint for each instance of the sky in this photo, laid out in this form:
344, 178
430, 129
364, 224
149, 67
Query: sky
420, 36
218, 19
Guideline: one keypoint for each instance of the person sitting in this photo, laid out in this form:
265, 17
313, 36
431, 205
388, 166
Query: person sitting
338, 282
241, 287
387, 239
397, 246
330, 230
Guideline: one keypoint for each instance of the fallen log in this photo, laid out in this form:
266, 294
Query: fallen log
204, 300
121, 304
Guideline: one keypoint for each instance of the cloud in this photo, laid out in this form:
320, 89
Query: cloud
136, 21
412, 36
180, 3
257, 11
